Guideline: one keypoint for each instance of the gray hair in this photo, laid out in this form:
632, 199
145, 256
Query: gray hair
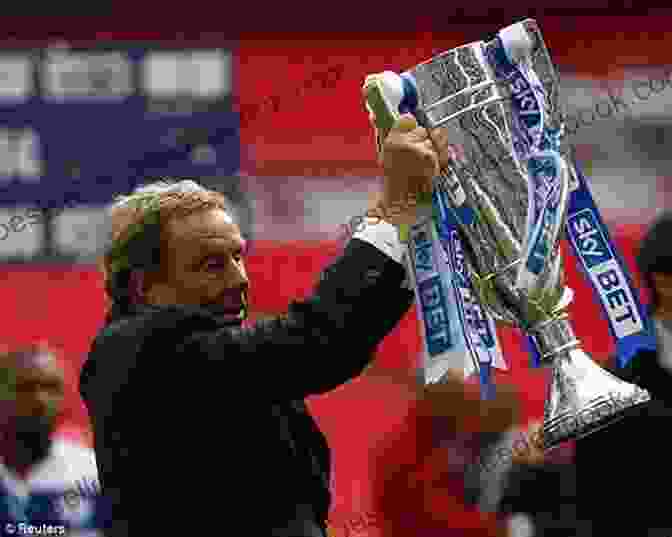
136, 235
152, 190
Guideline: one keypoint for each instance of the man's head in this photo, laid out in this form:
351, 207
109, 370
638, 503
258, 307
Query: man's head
31, 396
176, 244
655, 264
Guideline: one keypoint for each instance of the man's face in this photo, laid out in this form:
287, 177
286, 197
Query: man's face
31, 395
202, 265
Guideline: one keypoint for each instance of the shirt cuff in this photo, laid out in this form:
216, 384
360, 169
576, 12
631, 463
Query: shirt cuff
383, 236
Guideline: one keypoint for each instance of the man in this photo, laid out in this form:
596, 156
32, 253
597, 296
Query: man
535, 491
41, 480
540, 499
199, 422
611, 489
620, 469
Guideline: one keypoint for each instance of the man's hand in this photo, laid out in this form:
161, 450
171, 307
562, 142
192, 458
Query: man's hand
503, 411
454, 398
534, 451
410, 159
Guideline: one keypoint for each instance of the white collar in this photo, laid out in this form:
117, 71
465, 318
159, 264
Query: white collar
67, 466
12, 482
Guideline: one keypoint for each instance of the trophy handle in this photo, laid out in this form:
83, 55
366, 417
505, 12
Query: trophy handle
386, 98
382, 112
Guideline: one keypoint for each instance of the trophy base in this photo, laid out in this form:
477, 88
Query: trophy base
584, 398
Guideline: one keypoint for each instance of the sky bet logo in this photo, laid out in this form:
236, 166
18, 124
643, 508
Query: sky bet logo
528, 113
599, 261
522, 94
431, 294
424, 263
523, 97
433, 303
476, 319
474, 315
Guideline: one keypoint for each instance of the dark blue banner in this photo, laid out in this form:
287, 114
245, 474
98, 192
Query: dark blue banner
81, 126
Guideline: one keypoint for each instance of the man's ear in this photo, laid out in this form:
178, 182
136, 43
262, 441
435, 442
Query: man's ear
152, 288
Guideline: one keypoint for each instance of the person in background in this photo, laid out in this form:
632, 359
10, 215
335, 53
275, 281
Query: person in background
540, 499
208, 411
610, 487
534, 491
620, 468
42, 479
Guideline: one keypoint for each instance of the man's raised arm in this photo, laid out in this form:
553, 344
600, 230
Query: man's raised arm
329, 338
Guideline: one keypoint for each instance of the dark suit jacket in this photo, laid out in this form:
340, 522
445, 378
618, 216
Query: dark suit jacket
623, 471
202, 426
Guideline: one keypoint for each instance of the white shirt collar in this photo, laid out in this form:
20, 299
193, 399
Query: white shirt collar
67, 466
12, 482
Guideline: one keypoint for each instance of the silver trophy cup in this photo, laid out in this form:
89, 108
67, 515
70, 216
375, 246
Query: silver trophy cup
499, 131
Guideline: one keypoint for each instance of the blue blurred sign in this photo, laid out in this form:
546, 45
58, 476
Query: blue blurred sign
81, 126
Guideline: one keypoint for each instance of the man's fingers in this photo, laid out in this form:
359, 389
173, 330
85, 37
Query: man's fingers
436, 151
440, 143
415, 154
503, 411
418, 135
405, 123
440, 138
429, 156
410, 162
407, 128
431, 162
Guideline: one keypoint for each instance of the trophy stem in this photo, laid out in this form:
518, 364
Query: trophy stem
554, 338
582, 397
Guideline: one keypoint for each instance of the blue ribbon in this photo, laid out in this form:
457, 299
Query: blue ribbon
601, 261
432, 296
535, 355
479, 333
603, 266
473, 319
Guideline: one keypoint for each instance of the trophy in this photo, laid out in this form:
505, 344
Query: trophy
501, 206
